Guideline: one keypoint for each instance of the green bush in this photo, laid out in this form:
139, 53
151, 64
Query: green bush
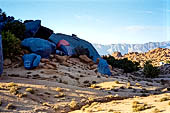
3, 14
11, 44
150, 71
167, 62
17, 28
125, 64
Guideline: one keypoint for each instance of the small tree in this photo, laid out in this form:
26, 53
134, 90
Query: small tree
125, 64
11, 45
3, 14
150, 71
17, 28
167, 62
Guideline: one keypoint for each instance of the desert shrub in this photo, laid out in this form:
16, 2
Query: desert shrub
29, 90
10, 106
168, 103
12, 84
167, 62
14, 90
3, 14
150, 71
73, 104
125, 64
0, 102
11, 44
81, 51
164, 99
60, 95
17, 28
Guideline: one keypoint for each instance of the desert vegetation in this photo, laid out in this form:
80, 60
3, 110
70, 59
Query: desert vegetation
125, 64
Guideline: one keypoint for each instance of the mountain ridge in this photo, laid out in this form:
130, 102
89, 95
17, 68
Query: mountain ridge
126, 48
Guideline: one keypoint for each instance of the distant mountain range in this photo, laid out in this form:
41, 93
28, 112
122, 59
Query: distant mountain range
125, 48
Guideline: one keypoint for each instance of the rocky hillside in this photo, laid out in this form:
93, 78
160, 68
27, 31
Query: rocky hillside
126, 48
62, 84
155, 55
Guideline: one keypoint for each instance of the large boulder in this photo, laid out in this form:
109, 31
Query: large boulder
103, 67
74, 42
32, 28
7, 62
31, 60
61, 59
1, 56
39, 46
44, 32
85, 59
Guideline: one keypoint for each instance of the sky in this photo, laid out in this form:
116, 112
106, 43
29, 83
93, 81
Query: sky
98, 21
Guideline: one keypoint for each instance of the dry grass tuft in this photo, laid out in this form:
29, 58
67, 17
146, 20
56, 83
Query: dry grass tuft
20, 95
73, 104
168, 103
156, 110
116, 112
137, 84
99, 109
136, 106
11, 84
164, 99
46, 104
58, 89
128, 84
84, 107
91, 98
30, 90
56, 107
13, 90
60, 95
10, 106
93, 86
117, 82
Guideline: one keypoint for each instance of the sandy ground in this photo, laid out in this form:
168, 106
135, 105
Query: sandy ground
76, 88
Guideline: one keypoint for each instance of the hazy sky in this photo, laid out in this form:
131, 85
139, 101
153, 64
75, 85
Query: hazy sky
98, 21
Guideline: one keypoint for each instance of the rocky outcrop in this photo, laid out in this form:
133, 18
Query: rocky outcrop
165, 69
44, 32
116, 54
61, 59
85, 59
32, 28
76, 42
155, 55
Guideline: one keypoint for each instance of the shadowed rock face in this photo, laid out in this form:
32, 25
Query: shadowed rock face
1, 56
32, 27
44, 32
75, 42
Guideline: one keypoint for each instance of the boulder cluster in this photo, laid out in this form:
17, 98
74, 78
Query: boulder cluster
157, 56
